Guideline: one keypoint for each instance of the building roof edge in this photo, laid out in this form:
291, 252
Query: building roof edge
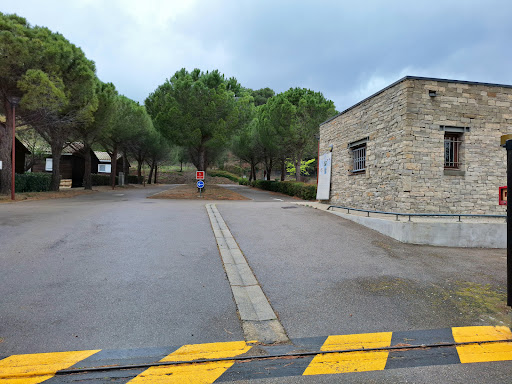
414, 78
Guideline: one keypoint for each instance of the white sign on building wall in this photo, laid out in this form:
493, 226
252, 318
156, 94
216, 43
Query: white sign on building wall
324, 177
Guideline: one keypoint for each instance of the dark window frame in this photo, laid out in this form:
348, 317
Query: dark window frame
359, 158
452, 150
358, 151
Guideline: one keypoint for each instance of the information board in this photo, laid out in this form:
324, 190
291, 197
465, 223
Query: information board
324, 177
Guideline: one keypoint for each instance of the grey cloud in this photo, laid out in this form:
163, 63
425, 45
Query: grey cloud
344, 49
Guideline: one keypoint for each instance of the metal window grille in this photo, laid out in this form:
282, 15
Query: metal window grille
452, 144
359, 155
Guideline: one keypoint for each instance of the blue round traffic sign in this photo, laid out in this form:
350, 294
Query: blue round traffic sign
200, 184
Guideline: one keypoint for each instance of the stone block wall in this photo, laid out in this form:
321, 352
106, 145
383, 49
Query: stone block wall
381, 119
405, 151
486, 111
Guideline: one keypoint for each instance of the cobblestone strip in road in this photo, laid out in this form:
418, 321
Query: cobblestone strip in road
259, 320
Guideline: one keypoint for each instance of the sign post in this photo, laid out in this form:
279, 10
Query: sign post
506, 141
508, 146
200, 176
200, 186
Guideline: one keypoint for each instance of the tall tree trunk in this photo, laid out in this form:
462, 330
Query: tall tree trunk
5, 149
283, 168
56, 154
87, 171
156, 171
201, 166
269, 168
126, 168
298, 161
151, 168
181, 166
267, 165
252, 175
139, 171
113, 167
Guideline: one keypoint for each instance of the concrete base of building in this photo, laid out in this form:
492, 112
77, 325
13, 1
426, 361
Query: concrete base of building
433, 232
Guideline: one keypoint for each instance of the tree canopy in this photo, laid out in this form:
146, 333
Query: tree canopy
196, 110
198, 115
55, 81
288, 124
262, 95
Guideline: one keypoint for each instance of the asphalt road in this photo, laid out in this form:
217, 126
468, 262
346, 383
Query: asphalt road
111, 270
259, 195
116, 270
326, 275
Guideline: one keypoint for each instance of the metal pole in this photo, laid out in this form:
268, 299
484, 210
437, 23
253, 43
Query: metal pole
508, 146
13, 161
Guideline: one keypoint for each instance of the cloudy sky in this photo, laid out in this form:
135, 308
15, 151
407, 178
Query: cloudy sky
345, 49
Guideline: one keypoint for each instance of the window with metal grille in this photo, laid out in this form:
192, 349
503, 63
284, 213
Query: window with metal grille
452, 146
359, 157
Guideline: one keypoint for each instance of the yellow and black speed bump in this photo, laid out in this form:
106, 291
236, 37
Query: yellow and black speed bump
403, 358
137, 357
240, 360
274, 365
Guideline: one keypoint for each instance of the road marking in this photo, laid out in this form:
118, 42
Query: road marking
351, 361
200, 373
278, 199
38, 367
259, 320
479, 353
309, 356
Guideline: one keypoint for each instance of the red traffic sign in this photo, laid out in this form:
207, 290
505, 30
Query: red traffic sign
200, 175
503, 196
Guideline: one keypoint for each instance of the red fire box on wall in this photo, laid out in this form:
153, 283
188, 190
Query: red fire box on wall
503, 195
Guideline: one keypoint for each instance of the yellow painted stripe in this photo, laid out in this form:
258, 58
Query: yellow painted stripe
199, 373
38, 367
351, 361
479, 353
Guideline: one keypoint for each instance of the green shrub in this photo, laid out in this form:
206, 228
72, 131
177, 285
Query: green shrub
291, 188
98, 179
308, 192
131, 179
32, 182
226, 174
235, 169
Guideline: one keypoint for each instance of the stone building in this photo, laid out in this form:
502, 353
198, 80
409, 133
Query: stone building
421, 145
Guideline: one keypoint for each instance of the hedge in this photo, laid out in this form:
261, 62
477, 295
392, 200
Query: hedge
98, 179
131, 179
291, 188
226, 174
32, 182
